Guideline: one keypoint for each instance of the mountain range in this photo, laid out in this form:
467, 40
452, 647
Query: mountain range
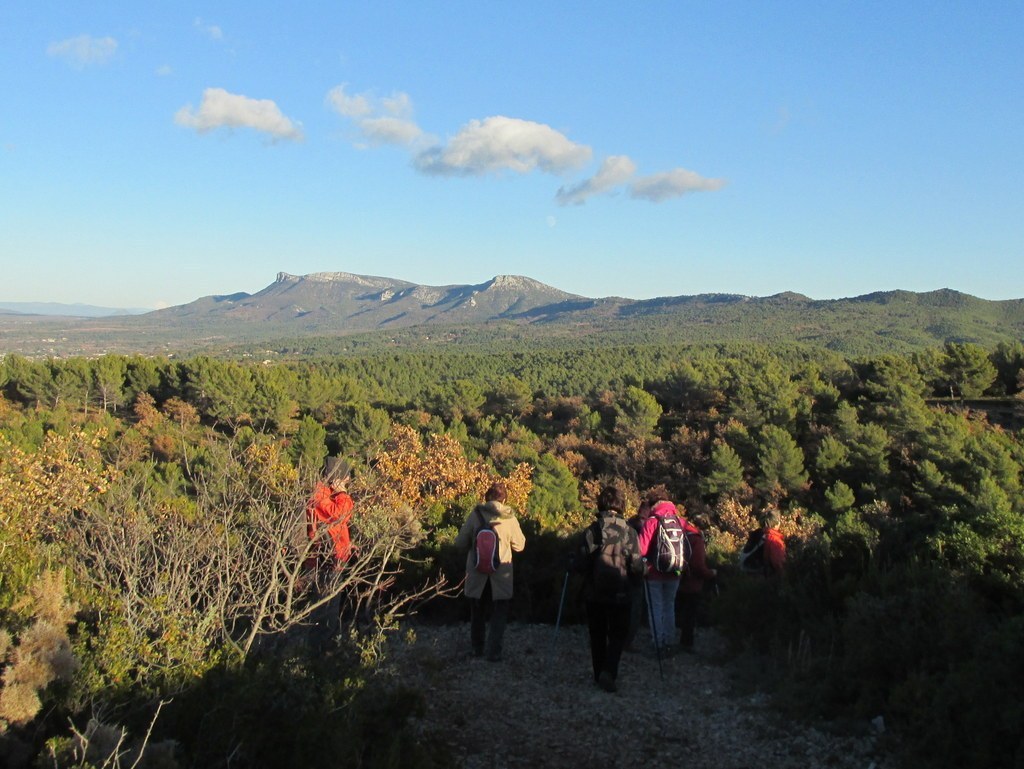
342, 304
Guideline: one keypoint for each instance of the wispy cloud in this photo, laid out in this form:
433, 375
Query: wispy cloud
614, 172
211, 31
672, 184
84, 50
387, 120
499, 143
164, 70
220, 109
503, 143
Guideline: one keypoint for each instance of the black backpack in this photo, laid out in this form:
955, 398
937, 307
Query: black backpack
752, 554
609, 564
668, 545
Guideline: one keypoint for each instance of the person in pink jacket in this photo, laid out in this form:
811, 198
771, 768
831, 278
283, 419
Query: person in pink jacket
661, 586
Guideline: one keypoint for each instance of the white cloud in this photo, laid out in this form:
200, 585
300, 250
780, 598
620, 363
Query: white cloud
164, 71
614, 172
356, 106
397, 105
499, 143
211, 31
220, 109
672, 184
385, 120
390, 130
84, 50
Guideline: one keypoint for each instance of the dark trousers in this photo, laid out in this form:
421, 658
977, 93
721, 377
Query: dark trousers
686, 615
487, 620
638, 602
608, 624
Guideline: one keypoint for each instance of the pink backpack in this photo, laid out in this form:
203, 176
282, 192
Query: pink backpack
486, 546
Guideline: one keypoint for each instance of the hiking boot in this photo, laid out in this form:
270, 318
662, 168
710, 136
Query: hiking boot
607, 682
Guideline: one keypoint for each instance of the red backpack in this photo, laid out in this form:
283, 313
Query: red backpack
486, 547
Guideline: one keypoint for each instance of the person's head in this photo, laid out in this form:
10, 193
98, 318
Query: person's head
611, 498
336, 473
496, 493
701, 521
656, 494
772, 519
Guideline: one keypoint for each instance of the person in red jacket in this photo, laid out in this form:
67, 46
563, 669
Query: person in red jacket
774, 545
694, 576
331, 508
329, 511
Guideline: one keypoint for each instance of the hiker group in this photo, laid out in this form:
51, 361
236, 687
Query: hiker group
625, 564
654, 561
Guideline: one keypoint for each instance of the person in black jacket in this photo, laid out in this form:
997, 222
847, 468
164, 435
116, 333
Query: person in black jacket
609, 557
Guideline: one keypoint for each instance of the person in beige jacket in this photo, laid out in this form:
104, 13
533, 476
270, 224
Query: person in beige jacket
489, 594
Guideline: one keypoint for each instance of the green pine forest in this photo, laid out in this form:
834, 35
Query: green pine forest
154, 598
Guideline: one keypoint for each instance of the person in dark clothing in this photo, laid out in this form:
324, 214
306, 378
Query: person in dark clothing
691, 586
637, 600
609, 556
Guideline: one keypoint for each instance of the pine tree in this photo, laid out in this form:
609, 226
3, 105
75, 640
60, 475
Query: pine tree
725, 473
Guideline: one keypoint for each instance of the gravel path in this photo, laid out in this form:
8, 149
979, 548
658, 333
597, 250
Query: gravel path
539, 707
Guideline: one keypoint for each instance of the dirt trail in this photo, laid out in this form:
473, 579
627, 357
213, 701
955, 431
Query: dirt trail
539, 707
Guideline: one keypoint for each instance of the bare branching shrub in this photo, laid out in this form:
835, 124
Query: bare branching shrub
236, 567
104, 746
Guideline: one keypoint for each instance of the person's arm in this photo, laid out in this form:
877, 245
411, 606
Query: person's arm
518, 540
464, 539
584, 546
343, 506
647, 534
698, 558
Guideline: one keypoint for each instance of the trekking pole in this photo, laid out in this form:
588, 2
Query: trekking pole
561, 604
654, 629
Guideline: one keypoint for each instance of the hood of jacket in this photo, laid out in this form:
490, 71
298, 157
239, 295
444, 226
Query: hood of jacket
493, 510
664, 508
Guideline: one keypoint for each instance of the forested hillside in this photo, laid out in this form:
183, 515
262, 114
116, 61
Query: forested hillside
153, 534
335, 315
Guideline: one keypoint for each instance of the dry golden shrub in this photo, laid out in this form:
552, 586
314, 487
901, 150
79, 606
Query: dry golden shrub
38, 489
42, 653
145, 411
409, 472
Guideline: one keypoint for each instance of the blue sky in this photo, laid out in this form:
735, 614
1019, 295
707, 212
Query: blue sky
153, 153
